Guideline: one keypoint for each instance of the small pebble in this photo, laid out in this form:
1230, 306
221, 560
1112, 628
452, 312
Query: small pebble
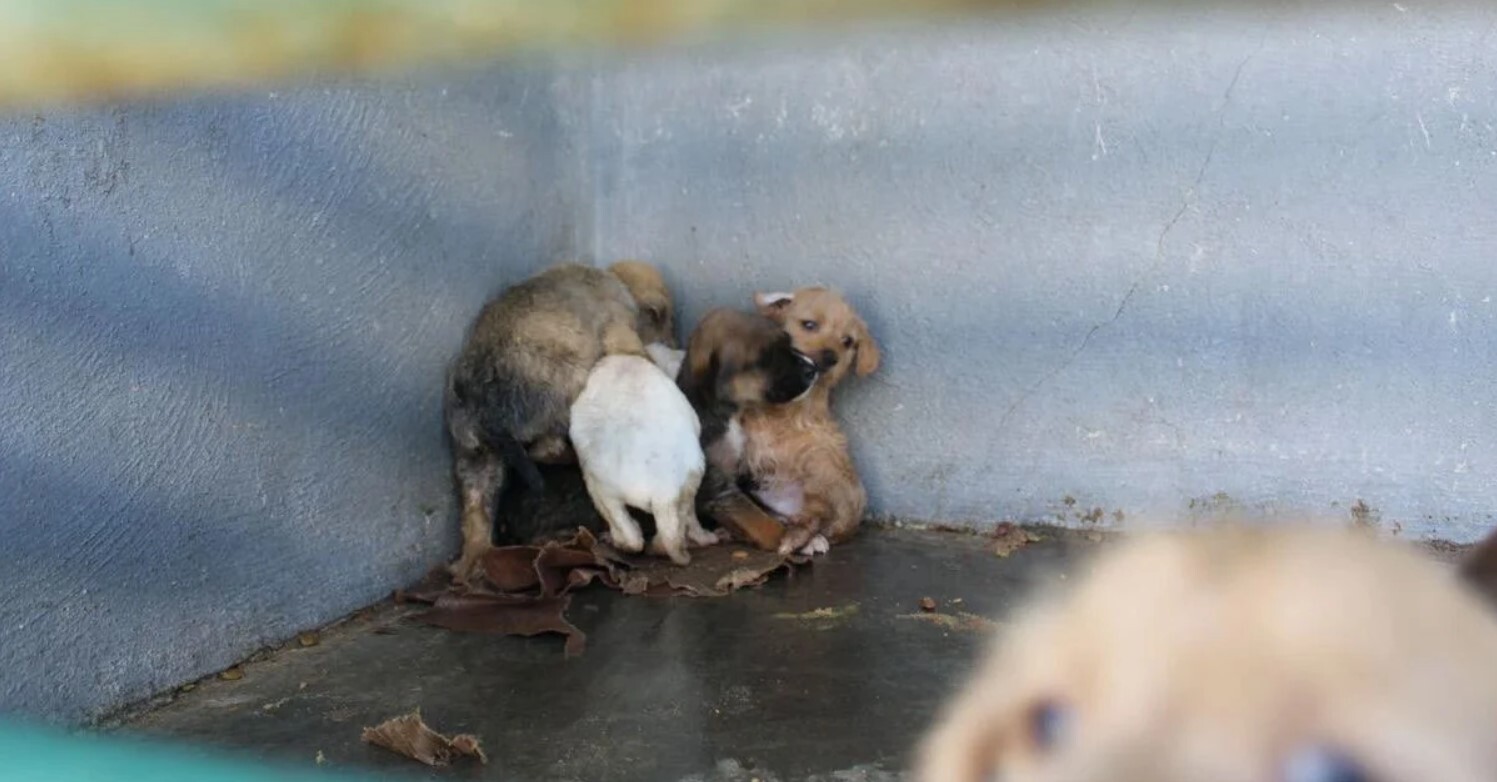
740, 555
231, 675
927, 604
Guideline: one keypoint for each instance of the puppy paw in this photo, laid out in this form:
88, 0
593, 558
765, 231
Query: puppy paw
628, 545
680, 556
818, 545
704, 538
796, 538
467, 567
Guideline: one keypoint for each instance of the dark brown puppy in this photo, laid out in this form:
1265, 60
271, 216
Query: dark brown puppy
736, 362
510, 391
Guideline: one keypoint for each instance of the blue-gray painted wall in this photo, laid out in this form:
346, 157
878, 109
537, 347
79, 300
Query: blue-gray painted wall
1156, 264
1162, 263
223, 325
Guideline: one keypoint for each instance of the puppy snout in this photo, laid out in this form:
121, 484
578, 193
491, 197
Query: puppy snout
827, 360
808, 369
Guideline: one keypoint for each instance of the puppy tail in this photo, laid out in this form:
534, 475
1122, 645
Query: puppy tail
515, 458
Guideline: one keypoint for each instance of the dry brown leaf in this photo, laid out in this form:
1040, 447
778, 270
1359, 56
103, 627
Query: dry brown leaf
506, 615
1011, 537
408, 735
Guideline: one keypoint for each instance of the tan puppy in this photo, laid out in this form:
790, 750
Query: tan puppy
796, 455
526, 358
657, 313
1274, 655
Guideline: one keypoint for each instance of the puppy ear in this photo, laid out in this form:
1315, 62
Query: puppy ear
1479, 569
771, 305
869, 355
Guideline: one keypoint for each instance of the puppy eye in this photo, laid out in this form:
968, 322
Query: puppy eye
1322, 764
847, 342
1050, 723
809, 325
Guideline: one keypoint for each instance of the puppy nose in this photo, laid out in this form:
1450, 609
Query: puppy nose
828, 359
808, 370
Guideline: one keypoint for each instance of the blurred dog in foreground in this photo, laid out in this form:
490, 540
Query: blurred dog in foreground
1240, 655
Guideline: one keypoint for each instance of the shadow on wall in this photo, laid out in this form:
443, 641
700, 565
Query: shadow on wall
224, 325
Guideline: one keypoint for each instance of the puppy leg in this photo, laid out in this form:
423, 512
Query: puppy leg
686, 506
670, 532
803, 531
552, 449
626, 533
480, 478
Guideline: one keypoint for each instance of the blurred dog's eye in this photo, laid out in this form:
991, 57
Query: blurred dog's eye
847, 342
1049, 723
808, 325
1322, 764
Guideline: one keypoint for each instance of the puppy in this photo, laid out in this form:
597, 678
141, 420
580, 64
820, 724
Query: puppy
656, 323
796, 456
735, 363
636, 438
1276, 654
510, 391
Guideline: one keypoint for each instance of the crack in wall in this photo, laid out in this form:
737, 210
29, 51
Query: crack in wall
1186, 201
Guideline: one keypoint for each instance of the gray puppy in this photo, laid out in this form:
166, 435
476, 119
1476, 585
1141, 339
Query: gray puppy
526, 358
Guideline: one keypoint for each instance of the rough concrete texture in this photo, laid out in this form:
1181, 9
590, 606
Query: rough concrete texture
223, 325
830, 676
1162, 263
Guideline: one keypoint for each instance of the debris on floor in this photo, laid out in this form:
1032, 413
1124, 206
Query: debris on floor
525, 590
927, 604
1011, 537
961, 620
409, 735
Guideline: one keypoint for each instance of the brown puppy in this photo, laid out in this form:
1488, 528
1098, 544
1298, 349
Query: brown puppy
657, 314
509, 392
737, 362
1268, 655
796, 455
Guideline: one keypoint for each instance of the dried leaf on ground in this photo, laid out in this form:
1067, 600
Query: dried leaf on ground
408, 735
232, 674
506, 615
525, 588
959, 621
1010, 537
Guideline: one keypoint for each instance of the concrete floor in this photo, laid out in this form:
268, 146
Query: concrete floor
829, 675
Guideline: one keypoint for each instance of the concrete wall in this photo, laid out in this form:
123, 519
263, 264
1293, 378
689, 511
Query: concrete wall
1137, 266
223, 325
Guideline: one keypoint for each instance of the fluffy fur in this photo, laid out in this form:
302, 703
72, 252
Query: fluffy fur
656, 322
796, 456
637, 443
1241, 655
509, 392
738, 362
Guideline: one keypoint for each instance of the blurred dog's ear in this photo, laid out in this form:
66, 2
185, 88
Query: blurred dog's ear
698, 371
1479, 569
772, 305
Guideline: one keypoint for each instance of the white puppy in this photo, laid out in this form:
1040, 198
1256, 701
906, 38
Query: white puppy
667, 358
636, 439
